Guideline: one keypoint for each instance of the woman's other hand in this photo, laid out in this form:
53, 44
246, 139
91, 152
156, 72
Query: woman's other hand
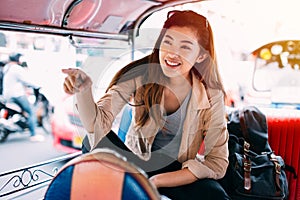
76, 81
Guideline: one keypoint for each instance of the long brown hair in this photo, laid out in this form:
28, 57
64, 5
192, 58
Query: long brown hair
150, 94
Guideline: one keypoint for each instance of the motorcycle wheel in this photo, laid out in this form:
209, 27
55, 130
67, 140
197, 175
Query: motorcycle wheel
3, 134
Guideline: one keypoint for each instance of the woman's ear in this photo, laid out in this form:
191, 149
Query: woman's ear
201, 57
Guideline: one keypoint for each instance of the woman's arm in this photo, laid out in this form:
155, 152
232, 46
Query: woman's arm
87, 109
173, 179
97, 115
79, 83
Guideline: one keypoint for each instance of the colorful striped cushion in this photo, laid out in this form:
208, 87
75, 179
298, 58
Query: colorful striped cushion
101, 174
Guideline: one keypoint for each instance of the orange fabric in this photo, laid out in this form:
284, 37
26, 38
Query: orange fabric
97, 180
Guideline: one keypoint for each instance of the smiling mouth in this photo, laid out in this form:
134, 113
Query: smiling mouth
172, 64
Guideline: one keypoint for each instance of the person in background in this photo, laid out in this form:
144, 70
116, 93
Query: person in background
178, 134
15, 83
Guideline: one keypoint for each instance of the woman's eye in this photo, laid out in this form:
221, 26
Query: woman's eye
167, 42
186, 47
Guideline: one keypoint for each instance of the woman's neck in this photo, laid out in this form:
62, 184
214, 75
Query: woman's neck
179, 83
175, 92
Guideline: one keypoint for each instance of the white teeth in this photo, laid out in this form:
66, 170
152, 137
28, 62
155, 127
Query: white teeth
172, 63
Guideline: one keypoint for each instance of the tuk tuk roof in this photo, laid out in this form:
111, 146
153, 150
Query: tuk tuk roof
110, 19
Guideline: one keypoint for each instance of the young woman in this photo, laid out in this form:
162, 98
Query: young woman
178, 133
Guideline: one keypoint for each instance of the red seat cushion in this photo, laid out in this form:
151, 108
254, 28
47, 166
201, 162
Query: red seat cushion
284, 138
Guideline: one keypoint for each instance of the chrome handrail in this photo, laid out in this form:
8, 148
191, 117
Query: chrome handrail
31, 176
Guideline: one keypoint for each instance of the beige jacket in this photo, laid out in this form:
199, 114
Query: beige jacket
205, 122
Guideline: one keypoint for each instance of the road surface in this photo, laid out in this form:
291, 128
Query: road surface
18, 152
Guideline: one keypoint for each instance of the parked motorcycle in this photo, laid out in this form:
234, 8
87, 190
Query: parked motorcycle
14, 119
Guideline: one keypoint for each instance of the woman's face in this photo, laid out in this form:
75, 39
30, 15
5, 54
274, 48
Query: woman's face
179, 51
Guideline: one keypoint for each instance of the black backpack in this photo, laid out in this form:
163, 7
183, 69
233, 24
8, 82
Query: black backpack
254, 171
251, 124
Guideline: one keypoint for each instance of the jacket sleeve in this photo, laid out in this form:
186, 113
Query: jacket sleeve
107, 108
214, 161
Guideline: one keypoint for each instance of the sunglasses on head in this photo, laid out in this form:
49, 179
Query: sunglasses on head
172, 12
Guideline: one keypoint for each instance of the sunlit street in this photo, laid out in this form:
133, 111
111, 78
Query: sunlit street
18, 151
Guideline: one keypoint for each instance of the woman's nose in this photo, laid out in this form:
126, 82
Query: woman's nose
173, 54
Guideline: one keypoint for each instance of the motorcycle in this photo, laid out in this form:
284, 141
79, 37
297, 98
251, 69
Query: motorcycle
13, 119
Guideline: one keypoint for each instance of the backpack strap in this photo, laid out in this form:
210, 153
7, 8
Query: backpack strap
246, 160
277, 169
247, 167
291, 169
244, 125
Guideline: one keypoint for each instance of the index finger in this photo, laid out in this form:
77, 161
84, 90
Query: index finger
69, 71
